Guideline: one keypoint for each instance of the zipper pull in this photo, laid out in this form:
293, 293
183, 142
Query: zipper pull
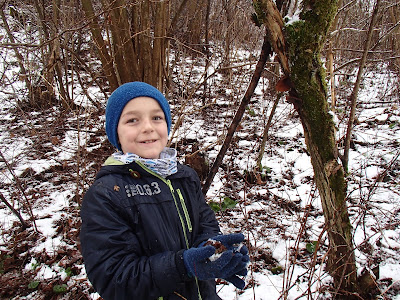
170, 186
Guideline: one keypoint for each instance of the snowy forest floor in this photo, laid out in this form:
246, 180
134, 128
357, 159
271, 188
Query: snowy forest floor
51, 156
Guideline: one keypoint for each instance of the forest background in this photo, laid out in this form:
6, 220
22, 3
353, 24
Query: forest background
288, 111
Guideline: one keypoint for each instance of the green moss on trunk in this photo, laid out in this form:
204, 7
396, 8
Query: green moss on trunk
305, 39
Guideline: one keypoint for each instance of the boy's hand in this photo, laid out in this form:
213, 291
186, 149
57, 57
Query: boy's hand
229, 263
233, 242
236, 280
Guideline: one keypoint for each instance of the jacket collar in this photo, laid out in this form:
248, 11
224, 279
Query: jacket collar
114, 166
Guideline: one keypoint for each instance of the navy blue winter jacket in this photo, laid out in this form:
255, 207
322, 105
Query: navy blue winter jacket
135, 227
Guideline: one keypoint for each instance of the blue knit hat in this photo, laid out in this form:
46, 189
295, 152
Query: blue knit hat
121, 96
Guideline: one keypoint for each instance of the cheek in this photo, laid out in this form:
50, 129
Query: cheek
165, 130
165, 136
124, 133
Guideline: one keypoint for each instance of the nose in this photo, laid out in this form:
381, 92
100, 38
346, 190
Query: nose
147, 126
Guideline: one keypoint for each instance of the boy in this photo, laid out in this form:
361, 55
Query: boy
145, 223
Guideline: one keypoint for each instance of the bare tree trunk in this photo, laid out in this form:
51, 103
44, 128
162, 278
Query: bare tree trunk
55, 61
48, 71
125, 56
265, 52
24, 73
150, 24
226, 60
101, 45
304, 40
278, 96
194, 25
138, 45
117, 27
159, 44
354, 94
177, 15
331, 72
207, 49
395, 16
265, 133
145, 40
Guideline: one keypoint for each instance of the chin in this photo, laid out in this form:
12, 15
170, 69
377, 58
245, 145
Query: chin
150, 156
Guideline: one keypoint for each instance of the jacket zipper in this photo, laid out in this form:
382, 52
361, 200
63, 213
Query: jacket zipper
182, 200
172, 190
168, 182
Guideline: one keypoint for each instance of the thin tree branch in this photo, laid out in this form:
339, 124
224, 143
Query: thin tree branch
21, 189
14, 211
354, 94
265, 52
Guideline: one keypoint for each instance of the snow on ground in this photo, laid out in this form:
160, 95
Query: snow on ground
271, 215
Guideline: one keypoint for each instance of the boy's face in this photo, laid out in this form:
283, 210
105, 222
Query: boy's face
142, 128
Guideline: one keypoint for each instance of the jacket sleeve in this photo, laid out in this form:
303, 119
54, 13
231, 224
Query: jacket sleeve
111, 253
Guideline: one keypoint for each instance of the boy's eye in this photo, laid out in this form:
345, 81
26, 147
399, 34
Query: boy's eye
133, 120
158, 118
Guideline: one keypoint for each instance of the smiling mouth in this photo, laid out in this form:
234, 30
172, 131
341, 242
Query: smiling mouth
148, 142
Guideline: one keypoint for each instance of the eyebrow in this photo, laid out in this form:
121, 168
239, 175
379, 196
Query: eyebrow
135, 112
